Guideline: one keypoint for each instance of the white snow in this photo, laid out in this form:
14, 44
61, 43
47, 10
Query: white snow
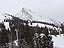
7, 25
58, 41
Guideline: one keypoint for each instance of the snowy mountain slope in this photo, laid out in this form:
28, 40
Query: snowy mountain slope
27, 14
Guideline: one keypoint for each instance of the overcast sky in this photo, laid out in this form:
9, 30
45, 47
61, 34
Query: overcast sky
49, 8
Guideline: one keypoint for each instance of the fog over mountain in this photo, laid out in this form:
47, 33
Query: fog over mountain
27, 14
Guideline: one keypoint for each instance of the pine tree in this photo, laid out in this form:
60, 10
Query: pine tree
3, 37
47, 39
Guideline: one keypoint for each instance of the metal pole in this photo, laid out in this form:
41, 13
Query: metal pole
17, 36
11, 40
11, 36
